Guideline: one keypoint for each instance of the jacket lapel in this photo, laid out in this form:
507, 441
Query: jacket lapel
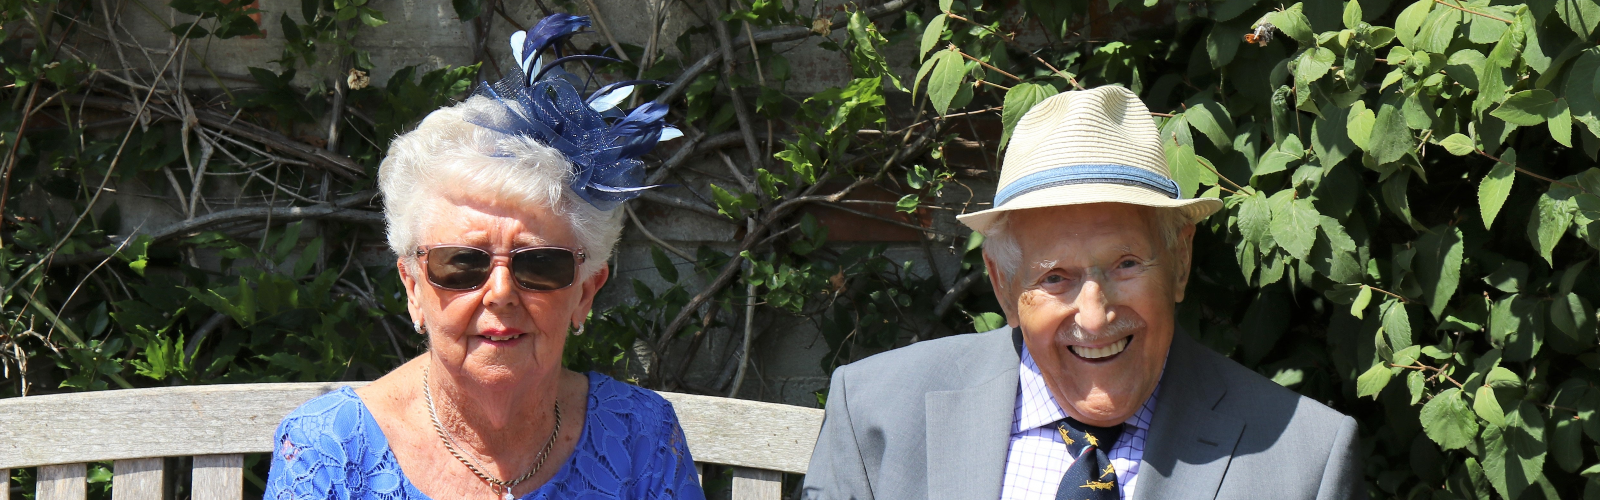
1190, 444
969, 430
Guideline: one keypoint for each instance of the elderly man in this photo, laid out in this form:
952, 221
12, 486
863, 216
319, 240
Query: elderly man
1088, 393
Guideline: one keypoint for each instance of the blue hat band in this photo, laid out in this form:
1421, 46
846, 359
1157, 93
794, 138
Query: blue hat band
1087, 174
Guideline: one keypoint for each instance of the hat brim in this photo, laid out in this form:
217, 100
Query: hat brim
1083, 194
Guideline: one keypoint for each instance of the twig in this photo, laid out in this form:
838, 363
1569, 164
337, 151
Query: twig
1386, 292
600, 22
775, 35
1447, 4
652, 237
991, 84
984, 64
740, 112
1422, 367
1527, 173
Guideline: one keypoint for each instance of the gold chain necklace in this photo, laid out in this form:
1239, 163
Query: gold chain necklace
472, 464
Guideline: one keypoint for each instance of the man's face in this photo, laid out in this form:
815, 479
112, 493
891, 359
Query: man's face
1094, 294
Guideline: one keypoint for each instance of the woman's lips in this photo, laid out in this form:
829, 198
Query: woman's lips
501, 338
1102, 352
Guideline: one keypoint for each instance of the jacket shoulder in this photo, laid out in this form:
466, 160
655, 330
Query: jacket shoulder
937, 362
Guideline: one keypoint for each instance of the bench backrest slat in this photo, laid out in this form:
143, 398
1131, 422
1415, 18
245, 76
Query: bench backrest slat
219, 477
5, 488
136, 479
63, 482
757, 484
229, 420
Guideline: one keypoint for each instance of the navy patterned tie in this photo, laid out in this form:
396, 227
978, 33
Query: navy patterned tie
1091, 476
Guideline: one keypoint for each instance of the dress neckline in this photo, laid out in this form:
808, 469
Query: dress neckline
561, 474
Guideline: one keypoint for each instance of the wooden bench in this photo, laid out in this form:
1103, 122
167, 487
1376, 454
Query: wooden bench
217, 424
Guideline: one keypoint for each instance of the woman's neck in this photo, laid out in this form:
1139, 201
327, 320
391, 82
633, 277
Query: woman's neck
499, 419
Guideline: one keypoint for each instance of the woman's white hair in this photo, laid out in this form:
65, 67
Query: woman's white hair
1001, 245
449, 157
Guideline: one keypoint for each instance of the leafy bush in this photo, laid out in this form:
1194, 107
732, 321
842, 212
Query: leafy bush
1411, 212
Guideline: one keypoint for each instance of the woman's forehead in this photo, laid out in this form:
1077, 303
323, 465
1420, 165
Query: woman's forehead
471, 223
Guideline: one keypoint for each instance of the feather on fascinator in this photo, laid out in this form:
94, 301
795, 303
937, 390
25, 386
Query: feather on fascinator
543, 102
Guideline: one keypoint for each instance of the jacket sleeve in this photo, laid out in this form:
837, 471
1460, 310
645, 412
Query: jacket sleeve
837, 470
1342, 476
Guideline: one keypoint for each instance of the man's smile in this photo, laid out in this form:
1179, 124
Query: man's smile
1100, 354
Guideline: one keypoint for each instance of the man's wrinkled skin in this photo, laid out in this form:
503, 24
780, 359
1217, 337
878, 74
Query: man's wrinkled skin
1089, 276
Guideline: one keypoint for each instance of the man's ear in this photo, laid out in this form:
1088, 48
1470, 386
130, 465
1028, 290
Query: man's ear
1184, 258
1002, 289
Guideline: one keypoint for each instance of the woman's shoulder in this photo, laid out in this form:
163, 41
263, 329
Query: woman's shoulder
337, 418
621, 399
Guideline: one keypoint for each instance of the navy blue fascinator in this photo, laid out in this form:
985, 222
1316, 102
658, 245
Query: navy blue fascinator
543, 102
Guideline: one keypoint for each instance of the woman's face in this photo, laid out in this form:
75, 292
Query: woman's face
498, 334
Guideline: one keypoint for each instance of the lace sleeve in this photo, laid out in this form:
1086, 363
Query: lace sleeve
669, 472
300, 471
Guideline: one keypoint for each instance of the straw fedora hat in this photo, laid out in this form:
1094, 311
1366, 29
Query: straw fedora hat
1088, 146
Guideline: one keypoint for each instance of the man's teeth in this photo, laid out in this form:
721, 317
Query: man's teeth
1101, 352
502, 339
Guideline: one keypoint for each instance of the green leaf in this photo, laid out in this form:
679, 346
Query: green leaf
1294, 223
1292, 21
1526, 108
1447, 420
1363, 298
1458, 144
907, 203
1488, 407
1352, 14
664, 266
1407, 356
1572, 315
1398, 199
1329, 137
1417, 385
988, 321
1410, 20
1496, 187
1514, 456
1021, 98
1396, 324
945, 79
1579, 89
372, 17
1583, 16
931, 34
1550, 219
1560, 123
1221, 45
1438, 265
1211, 119
1359, 124
1372, 382
1391, 139
1437, 31
1313, 64
1186, 169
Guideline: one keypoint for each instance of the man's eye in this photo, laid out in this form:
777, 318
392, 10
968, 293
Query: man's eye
1126, 264
1053, 279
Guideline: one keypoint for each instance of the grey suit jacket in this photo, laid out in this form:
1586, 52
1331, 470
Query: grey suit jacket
933, 420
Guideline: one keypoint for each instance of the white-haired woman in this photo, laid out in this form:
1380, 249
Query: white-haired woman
502, 210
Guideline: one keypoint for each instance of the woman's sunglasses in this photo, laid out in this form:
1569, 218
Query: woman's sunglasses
538, 269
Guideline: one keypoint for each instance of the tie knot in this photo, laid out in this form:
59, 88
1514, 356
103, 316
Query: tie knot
1079, 435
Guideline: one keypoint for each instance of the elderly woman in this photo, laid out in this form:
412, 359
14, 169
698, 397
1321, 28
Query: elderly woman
502, 210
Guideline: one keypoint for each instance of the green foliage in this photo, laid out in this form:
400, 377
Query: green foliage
1434, 165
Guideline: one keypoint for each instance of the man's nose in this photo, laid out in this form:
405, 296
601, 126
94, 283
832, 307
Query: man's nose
1094, 313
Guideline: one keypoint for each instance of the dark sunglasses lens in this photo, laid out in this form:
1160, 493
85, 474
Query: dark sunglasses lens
544, 268
458, 268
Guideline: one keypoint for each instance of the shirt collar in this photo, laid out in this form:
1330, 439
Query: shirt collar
1037, 408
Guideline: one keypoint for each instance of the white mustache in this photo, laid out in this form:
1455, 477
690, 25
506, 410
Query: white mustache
1075, 334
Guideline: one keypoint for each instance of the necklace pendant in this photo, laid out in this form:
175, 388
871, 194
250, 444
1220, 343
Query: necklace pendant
507, 495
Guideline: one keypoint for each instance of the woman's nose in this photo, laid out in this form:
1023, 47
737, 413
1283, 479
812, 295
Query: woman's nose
501, 289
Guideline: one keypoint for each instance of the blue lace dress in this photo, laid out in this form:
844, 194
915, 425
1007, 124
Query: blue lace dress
631, 447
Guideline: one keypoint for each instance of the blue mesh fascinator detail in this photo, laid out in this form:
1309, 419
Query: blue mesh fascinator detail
543, 102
